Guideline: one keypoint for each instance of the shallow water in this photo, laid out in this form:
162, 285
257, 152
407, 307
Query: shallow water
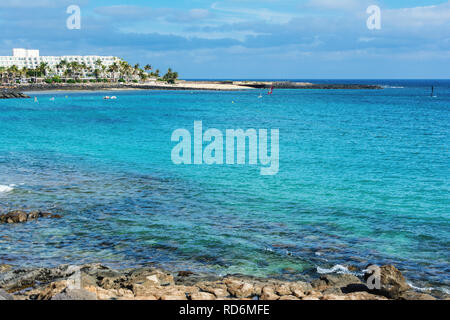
364, 177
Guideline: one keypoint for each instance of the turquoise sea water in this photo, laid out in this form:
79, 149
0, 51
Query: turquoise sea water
364, 177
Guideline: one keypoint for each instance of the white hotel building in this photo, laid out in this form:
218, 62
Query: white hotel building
31, 59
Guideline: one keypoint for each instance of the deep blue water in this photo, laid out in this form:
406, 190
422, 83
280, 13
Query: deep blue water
364, 177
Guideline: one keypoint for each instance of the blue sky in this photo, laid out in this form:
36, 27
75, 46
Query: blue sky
301, 39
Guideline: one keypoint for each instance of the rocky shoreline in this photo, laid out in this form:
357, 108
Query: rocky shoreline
98, 282
187, 85
8, 94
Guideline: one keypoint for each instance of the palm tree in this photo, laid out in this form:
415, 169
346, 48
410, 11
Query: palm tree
61, 67
98, 63
84, 69
3, 74
125, 70
12, 72
143, 76
43, 68
113, 69
170, 76
97, 73
147, 67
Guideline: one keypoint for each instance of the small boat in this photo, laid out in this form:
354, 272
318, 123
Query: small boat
106, 98
113, 97
270, 91
52, 99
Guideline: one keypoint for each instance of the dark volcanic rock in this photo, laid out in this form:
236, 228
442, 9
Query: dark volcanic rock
19, 279
19, 216
340, 282
13, 95
295, 85
16, 216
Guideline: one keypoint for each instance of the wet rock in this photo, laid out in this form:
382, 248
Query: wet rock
5, 295
335, 281
5, 268
392, 282
185, 273
44, 214
16, 216
33, 215
20, 216
13, 94
23, 278
352, 268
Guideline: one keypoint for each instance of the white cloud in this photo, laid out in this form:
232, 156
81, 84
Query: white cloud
263, 14
438, 15
38, 3
336, 4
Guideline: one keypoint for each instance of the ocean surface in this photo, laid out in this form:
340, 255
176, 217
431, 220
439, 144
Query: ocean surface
364, 178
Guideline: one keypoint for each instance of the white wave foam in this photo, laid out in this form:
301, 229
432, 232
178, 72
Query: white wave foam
335, 269
392, 87
418, 288
4, 189
339, 269
428, 289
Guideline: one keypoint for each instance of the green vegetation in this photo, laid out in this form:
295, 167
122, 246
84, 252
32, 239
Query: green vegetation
74, 72
170, 76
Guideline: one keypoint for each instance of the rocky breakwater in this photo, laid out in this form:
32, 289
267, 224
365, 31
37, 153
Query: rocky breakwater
305, 85
13, 95
98, 282
19, 216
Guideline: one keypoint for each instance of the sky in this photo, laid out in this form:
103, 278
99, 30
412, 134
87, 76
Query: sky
235, 39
